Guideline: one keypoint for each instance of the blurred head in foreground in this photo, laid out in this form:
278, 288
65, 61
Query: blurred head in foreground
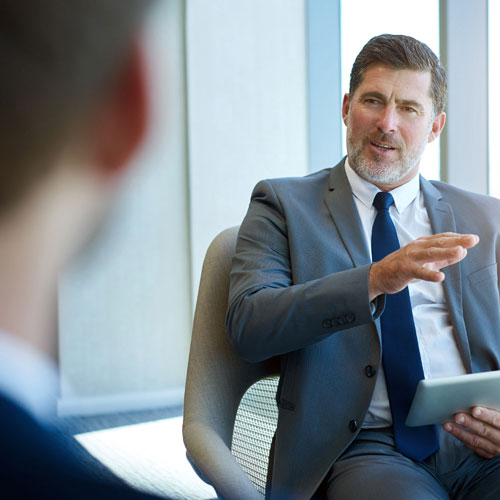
73, 111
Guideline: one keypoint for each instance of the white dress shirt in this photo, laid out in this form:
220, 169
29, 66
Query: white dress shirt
438, 348
28, 378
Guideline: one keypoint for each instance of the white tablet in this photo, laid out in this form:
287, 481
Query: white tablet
437, 400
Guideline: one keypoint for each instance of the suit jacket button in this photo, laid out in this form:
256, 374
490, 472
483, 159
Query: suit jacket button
370, 371
353, 425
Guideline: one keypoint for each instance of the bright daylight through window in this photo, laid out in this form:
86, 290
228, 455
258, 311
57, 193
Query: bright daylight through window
363, 19
494, 97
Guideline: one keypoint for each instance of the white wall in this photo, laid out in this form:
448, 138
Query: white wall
247, 113
464, 31
124, 308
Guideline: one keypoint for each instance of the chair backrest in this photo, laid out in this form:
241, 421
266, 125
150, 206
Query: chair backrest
254, 428
216, 381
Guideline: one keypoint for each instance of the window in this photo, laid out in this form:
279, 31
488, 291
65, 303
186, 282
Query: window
363, 19
494, 97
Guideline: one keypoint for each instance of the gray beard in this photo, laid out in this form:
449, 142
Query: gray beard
378, 171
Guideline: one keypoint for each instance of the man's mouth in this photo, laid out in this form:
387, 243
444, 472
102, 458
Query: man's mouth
382, 146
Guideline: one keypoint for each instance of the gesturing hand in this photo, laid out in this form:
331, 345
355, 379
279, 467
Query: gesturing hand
480, 431
421, 259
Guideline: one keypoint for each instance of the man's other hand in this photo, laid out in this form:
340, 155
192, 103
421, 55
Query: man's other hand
480, 431
421, 259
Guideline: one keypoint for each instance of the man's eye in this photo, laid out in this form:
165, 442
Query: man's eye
410, 109
372, 101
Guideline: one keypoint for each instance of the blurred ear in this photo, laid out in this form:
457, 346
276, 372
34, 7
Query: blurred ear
345, 107
121, 121
437, 126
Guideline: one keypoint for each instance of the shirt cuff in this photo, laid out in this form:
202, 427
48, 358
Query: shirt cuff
377, 306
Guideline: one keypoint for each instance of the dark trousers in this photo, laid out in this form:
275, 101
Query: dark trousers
371, 469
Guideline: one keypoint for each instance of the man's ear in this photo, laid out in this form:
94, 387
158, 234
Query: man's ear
437, 126
121, 120
345, 107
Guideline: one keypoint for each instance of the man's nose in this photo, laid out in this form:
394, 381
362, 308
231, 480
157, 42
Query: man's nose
388, 120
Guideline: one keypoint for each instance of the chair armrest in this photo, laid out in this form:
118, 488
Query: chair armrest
213, 462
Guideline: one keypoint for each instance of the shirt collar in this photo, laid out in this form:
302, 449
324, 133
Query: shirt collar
28, 378
365, 191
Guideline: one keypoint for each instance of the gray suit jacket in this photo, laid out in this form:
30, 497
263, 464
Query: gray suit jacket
299, 289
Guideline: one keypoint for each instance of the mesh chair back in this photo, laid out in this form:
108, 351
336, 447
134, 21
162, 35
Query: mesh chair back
254, 428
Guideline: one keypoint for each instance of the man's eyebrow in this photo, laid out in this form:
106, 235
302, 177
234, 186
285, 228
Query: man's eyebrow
382, 97
413, 104
373, 93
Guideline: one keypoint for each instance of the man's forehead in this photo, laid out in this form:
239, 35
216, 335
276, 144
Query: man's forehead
405, 83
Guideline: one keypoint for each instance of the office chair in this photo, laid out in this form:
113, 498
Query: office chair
230, 412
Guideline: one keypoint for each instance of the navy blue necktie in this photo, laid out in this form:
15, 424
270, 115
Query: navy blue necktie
400, 353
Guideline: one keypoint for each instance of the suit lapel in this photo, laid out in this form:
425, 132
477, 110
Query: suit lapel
443, 220
345, 216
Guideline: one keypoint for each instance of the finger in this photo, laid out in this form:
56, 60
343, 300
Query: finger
450, 239
478, 427
484, 454
448, 234
470, 240
491, 417
477, 443
425, 274
440, 235
446, 256
465, 241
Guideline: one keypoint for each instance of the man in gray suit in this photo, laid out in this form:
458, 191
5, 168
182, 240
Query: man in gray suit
337, 267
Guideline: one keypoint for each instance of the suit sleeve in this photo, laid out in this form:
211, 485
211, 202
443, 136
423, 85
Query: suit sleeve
268, 314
